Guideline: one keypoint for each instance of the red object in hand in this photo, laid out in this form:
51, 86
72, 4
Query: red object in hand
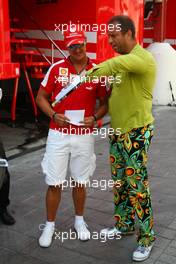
100, 123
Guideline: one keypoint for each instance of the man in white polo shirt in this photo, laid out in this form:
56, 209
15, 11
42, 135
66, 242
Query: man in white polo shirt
69, 140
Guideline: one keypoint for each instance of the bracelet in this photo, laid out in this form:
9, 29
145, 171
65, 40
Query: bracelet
53, 115
95, 118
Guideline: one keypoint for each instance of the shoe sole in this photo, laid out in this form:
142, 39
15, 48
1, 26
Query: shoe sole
79, 238
44, 246
138, 260
7, 223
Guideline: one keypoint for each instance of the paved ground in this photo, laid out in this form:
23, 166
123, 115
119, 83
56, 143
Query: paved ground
18, 244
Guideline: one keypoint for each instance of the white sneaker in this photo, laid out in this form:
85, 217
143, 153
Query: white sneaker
113, 231
45, 239
142, 253
82, 231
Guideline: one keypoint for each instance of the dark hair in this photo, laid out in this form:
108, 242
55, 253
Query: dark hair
126, 23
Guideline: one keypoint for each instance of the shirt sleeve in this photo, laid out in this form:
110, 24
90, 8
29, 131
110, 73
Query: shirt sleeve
48, 83
123, 63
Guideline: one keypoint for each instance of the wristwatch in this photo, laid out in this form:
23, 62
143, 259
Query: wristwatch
53, 115
95, 118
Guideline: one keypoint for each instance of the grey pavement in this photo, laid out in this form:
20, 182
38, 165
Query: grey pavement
18, 243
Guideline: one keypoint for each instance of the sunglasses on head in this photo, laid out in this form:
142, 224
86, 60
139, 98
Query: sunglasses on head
76, 46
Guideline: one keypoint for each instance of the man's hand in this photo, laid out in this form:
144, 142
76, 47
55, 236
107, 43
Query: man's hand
61, 119
88, 121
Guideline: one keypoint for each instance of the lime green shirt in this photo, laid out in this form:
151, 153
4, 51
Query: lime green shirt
130, 103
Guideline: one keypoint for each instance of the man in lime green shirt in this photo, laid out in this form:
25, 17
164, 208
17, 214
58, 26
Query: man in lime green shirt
130, 109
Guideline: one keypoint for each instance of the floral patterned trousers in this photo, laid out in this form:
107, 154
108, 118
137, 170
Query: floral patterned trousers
128, 156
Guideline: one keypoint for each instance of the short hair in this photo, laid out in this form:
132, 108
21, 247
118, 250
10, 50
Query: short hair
126, 23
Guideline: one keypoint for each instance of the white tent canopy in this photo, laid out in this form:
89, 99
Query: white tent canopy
165, 57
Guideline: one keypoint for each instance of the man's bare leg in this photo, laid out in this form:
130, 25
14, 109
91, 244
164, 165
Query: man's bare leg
53, 197
79, 197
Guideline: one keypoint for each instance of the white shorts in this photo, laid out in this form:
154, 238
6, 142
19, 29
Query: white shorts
63, 150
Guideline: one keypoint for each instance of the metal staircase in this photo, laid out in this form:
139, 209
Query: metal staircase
26, 52
29, 63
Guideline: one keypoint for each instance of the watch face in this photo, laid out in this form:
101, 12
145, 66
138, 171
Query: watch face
0, 94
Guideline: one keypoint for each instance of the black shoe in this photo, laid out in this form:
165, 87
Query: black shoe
7, 218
